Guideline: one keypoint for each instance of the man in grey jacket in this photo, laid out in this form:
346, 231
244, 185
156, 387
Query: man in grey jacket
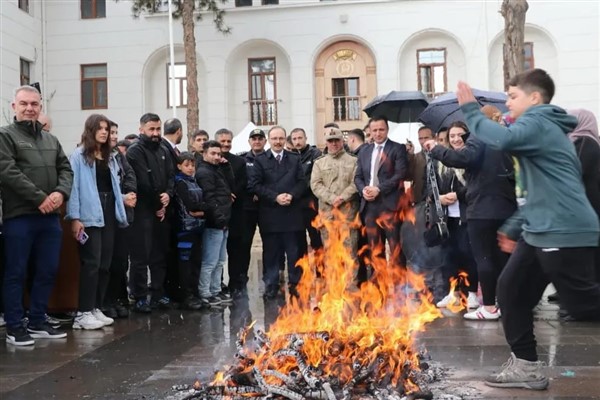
35, 180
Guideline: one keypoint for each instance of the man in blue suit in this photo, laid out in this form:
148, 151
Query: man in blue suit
278, 180
382, 167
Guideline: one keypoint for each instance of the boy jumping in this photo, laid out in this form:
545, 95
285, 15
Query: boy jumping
560, 228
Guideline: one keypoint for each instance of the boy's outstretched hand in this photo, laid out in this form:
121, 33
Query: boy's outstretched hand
464, 94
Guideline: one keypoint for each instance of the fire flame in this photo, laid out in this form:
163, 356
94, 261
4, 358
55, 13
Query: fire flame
461, 304
342, 329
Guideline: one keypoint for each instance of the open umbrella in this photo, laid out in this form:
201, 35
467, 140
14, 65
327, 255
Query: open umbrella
445, 110
397, 106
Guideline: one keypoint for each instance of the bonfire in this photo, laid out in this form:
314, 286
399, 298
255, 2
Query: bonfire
334, 340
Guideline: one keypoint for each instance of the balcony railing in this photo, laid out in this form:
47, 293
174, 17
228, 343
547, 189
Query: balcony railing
263, 112
346, 108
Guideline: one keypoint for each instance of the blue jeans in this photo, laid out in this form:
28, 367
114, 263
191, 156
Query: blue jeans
214, 254
38, 237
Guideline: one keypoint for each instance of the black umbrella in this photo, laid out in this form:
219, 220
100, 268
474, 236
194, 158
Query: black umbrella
445, 110
397, 106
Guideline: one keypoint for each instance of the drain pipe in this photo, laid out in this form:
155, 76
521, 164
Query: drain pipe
45, 98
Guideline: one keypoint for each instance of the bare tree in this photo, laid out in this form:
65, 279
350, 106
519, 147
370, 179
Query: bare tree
186, 10
513, 12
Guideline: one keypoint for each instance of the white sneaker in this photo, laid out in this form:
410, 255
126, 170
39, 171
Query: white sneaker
449, 300
482, 314
99, 315
86, 320
472, 301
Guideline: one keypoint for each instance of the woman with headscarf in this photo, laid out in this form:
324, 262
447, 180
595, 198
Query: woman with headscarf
587, 145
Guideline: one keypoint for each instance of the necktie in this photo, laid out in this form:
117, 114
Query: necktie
375, 179
177, 152
278, 158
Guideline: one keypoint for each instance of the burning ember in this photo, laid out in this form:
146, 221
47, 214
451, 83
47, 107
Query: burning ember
334, 341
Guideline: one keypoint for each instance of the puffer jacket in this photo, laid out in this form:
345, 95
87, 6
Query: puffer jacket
32, 165
189, 198
217, 195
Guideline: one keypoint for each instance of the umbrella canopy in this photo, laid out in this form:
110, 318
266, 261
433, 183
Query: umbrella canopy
445, 110
397, 106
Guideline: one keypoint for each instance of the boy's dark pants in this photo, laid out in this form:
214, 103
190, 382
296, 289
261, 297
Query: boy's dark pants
189, 252
522, 283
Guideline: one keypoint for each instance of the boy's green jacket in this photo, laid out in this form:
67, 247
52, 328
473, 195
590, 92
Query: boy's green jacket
557, 212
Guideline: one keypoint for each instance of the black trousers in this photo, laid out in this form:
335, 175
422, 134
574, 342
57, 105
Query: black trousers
308, 215
189, 251
96, 257
522, 283
117, 281
149, 245
382, 226
240, 247
275, 245
490, 259
459, 256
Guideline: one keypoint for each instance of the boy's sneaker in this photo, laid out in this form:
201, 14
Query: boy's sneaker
45, 331
225, 298
211, 301
99, 315
449, 300
164, 303
482, 314
86, 320
19, 337
518, 373
142, 306
472, 301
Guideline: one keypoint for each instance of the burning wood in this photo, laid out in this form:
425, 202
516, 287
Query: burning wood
355, 344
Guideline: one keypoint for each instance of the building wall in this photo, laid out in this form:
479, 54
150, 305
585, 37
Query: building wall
20, 37
296, 32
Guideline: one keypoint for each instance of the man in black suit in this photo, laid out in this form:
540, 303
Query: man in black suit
238, 270
172, 135
278, 181
380, 174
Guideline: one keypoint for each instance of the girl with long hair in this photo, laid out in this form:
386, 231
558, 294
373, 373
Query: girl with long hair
96, 208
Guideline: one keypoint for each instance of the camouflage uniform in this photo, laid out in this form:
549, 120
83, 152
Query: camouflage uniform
333, 176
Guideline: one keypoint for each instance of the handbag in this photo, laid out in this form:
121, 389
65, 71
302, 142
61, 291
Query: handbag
436, 230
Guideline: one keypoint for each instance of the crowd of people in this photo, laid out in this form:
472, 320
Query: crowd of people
519, 194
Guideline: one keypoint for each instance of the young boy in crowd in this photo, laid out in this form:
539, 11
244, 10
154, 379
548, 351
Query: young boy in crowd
560, 229
190, 213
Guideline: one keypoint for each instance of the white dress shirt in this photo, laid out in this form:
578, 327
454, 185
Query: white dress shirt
374, 158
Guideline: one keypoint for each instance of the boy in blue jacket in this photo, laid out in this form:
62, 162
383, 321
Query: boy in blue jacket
190, 213
560, 229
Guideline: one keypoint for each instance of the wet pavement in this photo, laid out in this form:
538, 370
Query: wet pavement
142, 357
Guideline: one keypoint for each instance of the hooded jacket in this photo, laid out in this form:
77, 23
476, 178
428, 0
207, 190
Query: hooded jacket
153, 172
32, 165
557, 212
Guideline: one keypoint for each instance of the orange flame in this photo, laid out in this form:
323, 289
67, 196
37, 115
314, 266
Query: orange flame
461, 304
340, 327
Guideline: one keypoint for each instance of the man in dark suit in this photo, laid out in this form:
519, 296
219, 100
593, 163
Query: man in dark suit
172, 135
238, 270
382, 167
278, 181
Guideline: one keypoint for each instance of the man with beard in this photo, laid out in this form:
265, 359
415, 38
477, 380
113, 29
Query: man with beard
238, 272
308, 202
150, 229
